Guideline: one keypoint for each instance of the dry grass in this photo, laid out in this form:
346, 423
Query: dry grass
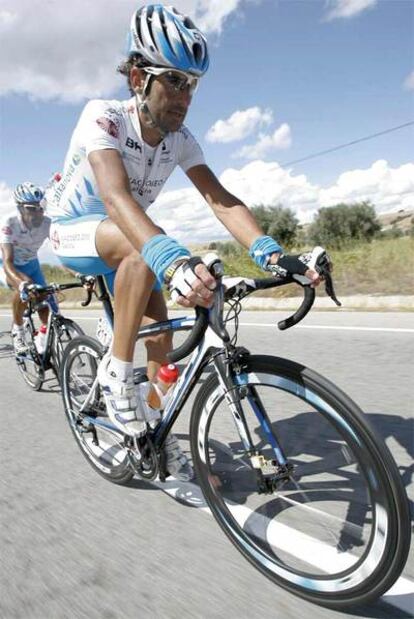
383, 267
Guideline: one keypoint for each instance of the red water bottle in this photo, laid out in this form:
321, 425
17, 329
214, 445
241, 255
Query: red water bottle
165, 378
41, 339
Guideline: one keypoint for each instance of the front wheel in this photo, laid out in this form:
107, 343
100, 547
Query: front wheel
101, 445
64, 330
29, 363
334, 528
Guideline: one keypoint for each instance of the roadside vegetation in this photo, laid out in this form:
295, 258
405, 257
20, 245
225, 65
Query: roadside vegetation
371, 255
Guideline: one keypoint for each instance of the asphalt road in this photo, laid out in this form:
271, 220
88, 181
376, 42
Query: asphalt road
75, 546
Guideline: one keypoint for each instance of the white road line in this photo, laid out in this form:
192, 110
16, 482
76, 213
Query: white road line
332, 327
269, 325
401, 594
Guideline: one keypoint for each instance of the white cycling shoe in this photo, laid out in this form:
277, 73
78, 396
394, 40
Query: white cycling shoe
176, 462
121, 400
19, 343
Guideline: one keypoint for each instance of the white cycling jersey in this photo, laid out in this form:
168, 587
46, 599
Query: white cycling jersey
115, 125
26, 242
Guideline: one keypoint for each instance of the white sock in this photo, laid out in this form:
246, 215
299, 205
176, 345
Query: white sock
121, 369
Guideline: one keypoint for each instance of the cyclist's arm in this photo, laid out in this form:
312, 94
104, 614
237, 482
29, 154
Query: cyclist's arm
231, 211
120, 204
14, 277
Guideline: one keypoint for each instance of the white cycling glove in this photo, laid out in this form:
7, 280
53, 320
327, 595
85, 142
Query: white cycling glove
180, 275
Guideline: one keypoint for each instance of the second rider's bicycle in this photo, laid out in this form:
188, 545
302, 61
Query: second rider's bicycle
33, 364
289, 465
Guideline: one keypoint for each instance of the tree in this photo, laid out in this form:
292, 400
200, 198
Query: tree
338, 225
278, 222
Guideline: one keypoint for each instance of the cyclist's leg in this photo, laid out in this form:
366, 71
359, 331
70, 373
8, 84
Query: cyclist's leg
32, 269
94, 245
132, 290
157, 345
18, 306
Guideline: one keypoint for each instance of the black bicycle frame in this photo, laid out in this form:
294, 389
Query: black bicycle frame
210, 348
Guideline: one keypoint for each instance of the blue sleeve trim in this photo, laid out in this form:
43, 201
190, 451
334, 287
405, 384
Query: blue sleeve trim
262, 248
160, 251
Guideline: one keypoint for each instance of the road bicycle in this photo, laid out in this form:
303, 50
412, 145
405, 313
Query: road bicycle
288, 464
33, 363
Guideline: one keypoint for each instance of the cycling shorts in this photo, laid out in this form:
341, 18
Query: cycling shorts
73, 241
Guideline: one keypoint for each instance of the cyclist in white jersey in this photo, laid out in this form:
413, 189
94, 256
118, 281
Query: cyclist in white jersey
120, 156
21, 237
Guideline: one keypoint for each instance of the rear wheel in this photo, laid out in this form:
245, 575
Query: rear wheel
336, 530
101, 445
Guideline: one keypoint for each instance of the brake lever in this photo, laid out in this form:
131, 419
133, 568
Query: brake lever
216, 311
329, 287
88, 298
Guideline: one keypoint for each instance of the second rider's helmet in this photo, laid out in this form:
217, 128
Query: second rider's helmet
166, 38
28, 194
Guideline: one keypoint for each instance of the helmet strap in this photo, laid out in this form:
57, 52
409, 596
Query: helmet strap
144, 108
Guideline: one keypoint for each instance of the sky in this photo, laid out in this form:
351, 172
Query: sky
287, 79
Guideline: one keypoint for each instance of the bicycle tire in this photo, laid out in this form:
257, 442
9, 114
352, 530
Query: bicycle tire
108, 457
378, 567
63, 332
28, 364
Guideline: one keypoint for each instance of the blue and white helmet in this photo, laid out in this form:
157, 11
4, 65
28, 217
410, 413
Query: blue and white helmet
28, 193
166, 38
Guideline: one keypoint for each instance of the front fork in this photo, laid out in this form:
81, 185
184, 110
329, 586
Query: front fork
232, 375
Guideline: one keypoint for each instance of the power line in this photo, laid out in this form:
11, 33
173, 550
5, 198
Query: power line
331, 150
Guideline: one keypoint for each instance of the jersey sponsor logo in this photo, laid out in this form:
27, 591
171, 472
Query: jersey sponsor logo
165, 154
60, 188
6, 230
108, 125
133, 144
144, 187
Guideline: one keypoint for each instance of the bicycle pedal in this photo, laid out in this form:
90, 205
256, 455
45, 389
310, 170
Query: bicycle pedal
83, 429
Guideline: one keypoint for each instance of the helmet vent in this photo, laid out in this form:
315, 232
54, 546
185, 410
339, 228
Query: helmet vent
153, 47
138, 29
188, 23
185, 46
165, 31
198, 52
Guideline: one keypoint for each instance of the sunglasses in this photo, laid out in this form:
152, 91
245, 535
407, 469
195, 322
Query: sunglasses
177, 81
35, 208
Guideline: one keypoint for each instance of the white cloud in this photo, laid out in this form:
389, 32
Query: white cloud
267, 183
347, 8
70, 51
193, 220
6, 200
280, 139
185, 215
211, 14
239, 125
260, 182
387, 188
409, 82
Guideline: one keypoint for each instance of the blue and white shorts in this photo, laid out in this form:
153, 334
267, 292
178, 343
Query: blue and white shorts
73, 241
